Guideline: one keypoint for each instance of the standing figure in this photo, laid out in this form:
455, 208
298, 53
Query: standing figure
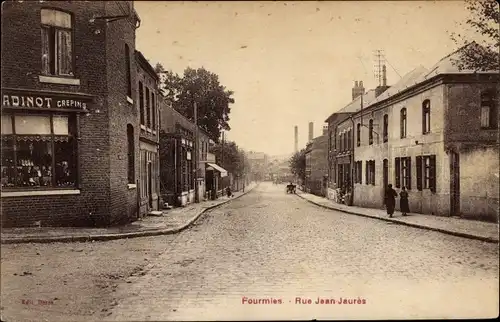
229, 192
390, 200
403, 201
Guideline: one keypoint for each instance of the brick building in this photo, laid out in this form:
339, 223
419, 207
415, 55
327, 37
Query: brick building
428, 133
317, 165
177, 162
149, 163
69, 125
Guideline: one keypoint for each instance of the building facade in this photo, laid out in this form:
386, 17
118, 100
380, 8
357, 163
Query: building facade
317, 166
415, 139
68, 122
341, 142
149, 137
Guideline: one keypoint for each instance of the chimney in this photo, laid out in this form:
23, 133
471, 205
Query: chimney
311, 134
325, 129
296, 138
380, 89
357, 90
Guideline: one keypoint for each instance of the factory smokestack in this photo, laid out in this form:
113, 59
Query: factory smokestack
296, 138
311, 131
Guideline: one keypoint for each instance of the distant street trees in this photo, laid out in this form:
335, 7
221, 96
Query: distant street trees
231, 158
298, 164
203, 87
481, 54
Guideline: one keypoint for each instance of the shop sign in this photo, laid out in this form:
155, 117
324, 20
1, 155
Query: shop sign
41, 101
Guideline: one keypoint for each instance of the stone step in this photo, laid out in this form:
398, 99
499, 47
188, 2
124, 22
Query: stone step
155, 213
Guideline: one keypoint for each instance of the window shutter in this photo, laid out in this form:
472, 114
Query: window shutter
408, 169
373, 172
397, 172
419, 173
433, 173
367, 165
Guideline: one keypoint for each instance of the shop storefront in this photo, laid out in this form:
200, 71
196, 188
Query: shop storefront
40, 151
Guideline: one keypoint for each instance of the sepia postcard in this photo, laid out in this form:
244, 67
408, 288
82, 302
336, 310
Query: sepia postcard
249, 160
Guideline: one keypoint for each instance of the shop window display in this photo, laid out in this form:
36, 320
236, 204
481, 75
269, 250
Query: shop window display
38, 151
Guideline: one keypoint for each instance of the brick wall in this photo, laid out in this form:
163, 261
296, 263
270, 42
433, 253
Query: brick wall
21, 66
123, 200
98, 63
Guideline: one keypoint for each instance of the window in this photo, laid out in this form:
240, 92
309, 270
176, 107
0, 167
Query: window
370, 132
403, 172
406, 172
403, 123
426, 172
131, 154
386, 128
153, 107
370, 172
57, 50
148, 108
141, 102
345, 141
358, 135
426, 117
341, 142
349, 140
359, 171
127, 68
489, 112
38, 151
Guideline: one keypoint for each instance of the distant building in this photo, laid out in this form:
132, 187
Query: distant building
317, 165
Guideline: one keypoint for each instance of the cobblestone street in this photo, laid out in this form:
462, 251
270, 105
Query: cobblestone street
265, 245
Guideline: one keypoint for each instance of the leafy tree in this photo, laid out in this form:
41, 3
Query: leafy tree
203, 87
483, 54
298, 164
231, 158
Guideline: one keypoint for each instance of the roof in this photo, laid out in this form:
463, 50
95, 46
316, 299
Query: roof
355, 105
412, 78
449, 63
147, 66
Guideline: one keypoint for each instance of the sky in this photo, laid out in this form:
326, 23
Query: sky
291, 63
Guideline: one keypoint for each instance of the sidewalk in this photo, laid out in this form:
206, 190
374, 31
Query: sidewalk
479, 230
170, 222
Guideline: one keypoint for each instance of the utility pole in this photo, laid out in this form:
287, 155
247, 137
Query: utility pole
196, 156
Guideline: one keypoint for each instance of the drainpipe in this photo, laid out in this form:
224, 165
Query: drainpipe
352, 157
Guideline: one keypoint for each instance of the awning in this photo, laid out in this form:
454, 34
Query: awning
213, 166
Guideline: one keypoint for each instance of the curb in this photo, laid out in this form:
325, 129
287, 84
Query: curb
106, 237
444, 231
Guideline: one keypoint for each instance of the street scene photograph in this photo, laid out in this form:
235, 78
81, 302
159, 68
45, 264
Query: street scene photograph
249, 160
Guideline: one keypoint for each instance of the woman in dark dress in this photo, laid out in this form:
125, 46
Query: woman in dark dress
390, 200
403, 201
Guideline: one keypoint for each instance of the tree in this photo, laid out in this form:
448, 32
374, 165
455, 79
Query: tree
483, 54
298, 164
204, 88
231, 158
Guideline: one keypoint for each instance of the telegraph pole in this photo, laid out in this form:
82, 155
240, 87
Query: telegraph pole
196, 156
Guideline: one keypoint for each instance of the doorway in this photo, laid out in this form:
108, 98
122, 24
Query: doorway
150, 185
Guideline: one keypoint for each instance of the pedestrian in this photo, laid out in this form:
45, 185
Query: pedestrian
229, 192
390, 200
403, 201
